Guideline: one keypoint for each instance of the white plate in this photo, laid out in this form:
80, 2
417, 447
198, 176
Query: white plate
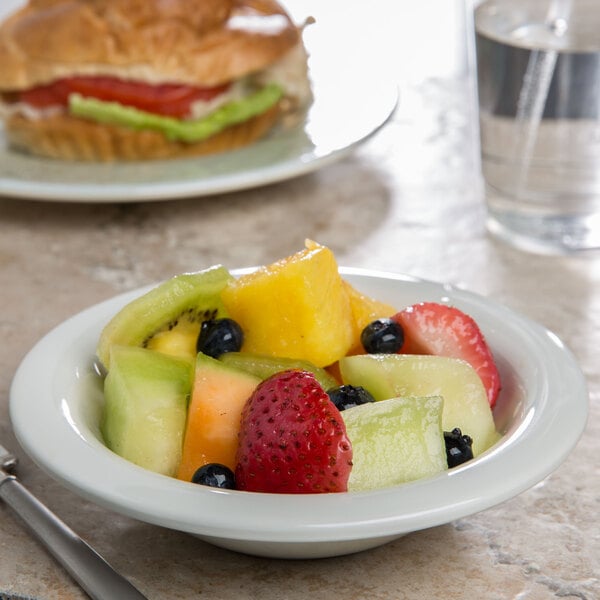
56, 398
349, 106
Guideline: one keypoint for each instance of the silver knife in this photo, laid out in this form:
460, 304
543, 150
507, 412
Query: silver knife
97, 578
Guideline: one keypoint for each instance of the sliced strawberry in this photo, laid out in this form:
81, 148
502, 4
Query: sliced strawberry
432, 328
292, 439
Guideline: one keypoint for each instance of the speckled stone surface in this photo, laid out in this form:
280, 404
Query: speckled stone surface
408, 201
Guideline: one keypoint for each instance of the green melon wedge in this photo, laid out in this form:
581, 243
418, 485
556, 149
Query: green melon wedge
263, 366
192, 296
395, 441
146, 396
392, 375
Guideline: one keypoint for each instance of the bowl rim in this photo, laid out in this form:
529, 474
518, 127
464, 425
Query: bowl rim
45, 410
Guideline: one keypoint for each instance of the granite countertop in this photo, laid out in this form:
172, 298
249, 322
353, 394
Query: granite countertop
409, 201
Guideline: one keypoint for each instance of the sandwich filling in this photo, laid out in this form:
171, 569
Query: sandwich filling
180, 112
168, 99
182, 130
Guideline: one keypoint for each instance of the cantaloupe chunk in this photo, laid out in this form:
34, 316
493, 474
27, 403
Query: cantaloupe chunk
219, 393
297, 307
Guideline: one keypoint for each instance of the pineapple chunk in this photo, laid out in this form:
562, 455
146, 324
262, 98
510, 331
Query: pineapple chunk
364, 311
297, 307
179, 341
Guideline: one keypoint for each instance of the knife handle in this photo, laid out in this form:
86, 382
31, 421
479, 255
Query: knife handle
99, 580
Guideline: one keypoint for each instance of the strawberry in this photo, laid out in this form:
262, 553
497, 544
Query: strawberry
432, 328
292, 439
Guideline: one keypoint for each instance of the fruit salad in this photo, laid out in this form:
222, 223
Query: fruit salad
290, 380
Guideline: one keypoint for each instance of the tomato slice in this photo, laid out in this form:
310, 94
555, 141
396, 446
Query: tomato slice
164, 99
43, 96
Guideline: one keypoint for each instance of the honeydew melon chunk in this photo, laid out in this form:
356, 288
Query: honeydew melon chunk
395, 441
392, 375
146, 396
263, 366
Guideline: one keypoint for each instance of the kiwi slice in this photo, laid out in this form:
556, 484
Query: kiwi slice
180, 304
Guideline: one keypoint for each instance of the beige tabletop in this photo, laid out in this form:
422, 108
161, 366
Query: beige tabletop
409, 200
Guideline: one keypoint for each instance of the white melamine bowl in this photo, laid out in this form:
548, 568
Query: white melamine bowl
56, 399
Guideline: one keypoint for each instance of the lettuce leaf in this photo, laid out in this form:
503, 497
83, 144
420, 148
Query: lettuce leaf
195, 130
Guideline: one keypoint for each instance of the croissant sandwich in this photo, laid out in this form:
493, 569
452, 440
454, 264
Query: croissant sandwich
103, 80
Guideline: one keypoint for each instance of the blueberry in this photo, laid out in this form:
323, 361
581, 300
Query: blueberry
458, 447
218, 336
347, 396
215, 475
382, 336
